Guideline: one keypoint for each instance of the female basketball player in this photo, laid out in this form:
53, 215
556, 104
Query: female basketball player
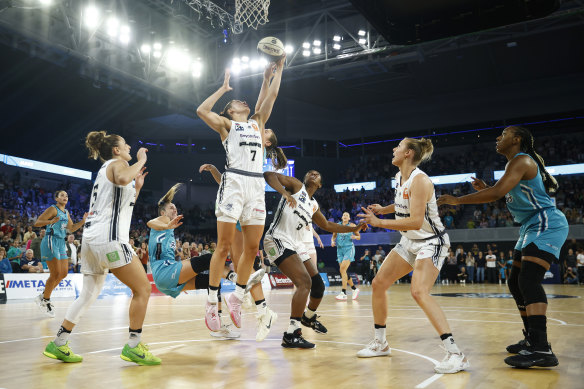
53, 250
164, 265
345, 255
266, 317
241, 193
543, 231
284, 247
105, 245
423, 247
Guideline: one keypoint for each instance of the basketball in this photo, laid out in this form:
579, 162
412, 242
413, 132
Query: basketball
272, 48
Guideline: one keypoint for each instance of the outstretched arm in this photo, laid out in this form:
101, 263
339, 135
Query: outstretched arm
217, 123
283, 185
381, 210
164, 223
268, 74
213, 170
321, 221
317, 238
72, 227
265, 110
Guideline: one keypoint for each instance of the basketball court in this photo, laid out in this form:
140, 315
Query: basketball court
483, 325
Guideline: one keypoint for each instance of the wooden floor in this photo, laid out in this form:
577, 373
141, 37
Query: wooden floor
176, 332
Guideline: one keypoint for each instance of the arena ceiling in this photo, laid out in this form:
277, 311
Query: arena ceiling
58, 80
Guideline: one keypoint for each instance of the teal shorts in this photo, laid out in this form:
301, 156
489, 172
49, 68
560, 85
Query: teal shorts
165, 274
346, 253
547, 230
53, 247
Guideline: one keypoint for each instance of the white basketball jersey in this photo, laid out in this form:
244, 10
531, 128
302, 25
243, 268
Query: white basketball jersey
432, 224
307, 236
243, 147
110, 210
290, 223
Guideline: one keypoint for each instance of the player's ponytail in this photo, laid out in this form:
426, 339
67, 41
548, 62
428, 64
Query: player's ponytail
527, 146
422, 149
100, 145
168, 197
275, 153
225, 112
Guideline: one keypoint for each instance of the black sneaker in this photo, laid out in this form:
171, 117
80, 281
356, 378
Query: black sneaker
530, 358
296, 340
523, 344
314, 324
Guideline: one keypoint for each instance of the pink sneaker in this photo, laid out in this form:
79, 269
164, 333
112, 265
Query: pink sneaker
234, 306
212, 317
355, 294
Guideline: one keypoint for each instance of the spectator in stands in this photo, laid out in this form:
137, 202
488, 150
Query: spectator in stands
381, 251
470, 266
35, 244
462, 276
451, 267
72, 250
365, 265
14, 251
30, 264
580, 262
206, 250
186, 252
491, 267
570, 260
28, 235
7, 227
194, 252
142, 254
570, 276
5, 266
509, 264
480, 262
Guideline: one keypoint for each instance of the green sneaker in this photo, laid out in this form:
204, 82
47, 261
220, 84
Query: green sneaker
63, 353
139, 355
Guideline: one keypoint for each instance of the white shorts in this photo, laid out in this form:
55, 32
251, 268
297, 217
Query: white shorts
275, 248
241, 198
98, 258
412, 250
309, 248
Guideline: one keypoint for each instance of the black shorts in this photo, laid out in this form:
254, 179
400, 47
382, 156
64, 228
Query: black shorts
287, 253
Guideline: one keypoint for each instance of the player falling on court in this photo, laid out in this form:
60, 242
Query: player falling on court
53, 250
544, 229
283, 245
266, 317
106, 246
161, 246
423, 247
346, 255
241, 194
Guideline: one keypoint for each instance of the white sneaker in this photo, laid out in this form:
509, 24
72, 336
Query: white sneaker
375, 348
452, 363
226, 331
341, 297
265, 323
254, 278
45, 306
355, 294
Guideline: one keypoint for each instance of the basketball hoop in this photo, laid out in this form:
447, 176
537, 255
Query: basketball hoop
251, 13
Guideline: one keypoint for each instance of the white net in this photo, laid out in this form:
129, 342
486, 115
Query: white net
252, 13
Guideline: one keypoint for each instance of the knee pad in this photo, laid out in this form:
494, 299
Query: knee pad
202, 282
317, 289
200, 264
92, 285
530, 279
514, 288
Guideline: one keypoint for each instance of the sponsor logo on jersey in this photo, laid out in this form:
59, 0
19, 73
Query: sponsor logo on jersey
302, 197
314, 208
255, 127
272, 251
508, 198
259, 210
239, 127
406, 194
229, 207
113, 256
